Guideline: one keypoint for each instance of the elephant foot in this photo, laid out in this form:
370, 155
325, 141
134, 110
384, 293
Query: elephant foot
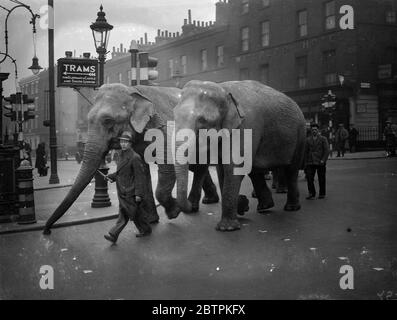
47, 231
173, 212
210, 199
228, 225
154, 220
262, 207
195, 207
243, 205
292, 207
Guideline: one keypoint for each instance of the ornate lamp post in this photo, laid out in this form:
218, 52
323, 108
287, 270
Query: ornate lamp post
101, 31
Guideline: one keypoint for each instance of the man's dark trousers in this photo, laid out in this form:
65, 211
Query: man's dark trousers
310, 173
130, 210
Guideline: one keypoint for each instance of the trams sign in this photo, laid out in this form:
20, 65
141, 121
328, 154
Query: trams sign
77, 72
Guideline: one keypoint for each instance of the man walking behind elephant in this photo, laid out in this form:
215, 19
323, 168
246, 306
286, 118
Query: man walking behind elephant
316, 156
130, 181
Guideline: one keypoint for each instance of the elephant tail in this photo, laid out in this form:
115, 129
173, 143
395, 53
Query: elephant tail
299, 154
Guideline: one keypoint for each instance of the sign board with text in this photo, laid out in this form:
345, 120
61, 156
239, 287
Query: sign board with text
74, 72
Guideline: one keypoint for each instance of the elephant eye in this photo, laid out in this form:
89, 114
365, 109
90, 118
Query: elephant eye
108, 122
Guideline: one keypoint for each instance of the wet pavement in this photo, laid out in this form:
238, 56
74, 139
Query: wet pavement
281, 255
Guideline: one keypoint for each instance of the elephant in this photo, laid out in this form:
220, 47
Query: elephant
118, 108
278, 139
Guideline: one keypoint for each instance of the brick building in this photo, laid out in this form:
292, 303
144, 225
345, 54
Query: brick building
66, 106
304, 48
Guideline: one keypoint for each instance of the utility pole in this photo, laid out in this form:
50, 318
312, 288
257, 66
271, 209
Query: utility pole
53, 136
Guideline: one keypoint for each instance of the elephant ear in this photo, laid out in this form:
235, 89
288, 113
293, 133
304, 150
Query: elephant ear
142, 111
235, 114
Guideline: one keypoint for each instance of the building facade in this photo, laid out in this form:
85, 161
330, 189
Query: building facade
66, 107
304, 48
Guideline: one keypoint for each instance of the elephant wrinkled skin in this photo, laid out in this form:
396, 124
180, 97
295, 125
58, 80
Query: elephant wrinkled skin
118, 108
278, 138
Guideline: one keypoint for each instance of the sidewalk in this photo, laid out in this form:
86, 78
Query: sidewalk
49, 196
360, 155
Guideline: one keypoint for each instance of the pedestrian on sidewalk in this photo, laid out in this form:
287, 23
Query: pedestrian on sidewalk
316, 156
41, 160
341, 137
390, 139
130, 179
353, 134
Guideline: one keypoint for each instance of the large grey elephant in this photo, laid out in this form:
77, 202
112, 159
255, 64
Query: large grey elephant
118, 108
278, 139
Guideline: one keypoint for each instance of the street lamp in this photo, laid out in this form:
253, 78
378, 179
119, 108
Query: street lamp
328, 103
100, 32
35, 67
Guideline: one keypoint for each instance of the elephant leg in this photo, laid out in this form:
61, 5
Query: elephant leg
200, 173
165, 185
151, 214
293, 191
230, 191
243, 203
281, 185
210, 193
264, 195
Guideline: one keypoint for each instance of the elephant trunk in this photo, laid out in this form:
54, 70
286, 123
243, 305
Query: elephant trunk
93, 154
182, 175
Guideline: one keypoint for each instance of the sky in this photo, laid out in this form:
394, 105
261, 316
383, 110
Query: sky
130, 19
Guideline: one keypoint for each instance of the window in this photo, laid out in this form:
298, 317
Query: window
301, 68
244, 74
184, 64
244, 6
265, 33
302, 23
219, 56
204, 60
245, 39
264, 73
170, 68
329, 67
391, 17
120, 77
265, 3
391, 55
330, 18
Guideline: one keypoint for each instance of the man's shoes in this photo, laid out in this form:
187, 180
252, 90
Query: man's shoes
311, 197
110, 238
321, 196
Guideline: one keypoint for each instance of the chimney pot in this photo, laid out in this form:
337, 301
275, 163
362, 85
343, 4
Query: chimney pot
68, 54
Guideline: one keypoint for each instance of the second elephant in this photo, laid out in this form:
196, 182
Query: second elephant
278, 133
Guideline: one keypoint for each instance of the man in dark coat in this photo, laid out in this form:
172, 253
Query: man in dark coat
341, 137
41, 159
390, 138
130, 179
316, 156
353, 134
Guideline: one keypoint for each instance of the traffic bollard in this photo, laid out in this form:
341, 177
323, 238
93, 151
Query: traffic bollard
26, 209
